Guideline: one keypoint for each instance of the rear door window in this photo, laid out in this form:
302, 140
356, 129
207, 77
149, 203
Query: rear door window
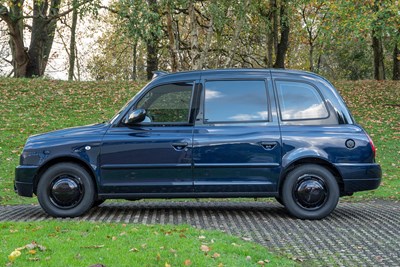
235, 101
300, 101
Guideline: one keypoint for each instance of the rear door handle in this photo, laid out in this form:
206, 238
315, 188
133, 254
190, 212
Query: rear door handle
268, 145
180, 146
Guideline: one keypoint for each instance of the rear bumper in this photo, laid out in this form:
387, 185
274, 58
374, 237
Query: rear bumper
360, 177
24, 177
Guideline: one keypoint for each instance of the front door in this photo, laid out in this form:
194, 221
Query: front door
237, 142
154, 156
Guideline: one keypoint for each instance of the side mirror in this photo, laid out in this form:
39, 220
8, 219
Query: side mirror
135, 116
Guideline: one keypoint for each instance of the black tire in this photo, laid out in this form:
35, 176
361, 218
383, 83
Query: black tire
66, 190
310, 192
280, 201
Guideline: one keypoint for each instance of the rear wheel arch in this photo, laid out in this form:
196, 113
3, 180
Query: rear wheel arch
311, 160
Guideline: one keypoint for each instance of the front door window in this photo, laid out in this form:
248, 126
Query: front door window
168, 103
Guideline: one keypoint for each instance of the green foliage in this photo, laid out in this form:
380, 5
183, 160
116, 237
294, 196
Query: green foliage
55, 243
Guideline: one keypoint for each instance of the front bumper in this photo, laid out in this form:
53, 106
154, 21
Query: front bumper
360, 177
24, 179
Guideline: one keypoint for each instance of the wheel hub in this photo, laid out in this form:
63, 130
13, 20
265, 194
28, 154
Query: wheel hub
66, 191
310, 192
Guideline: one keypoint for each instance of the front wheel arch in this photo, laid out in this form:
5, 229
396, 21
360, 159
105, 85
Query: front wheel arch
58, 160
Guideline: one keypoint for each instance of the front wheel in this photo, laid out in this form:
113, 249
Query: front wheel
66, 190
310, 192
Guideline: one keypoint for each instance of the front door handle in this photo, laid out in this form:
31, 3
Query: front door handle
268, 145
180, 146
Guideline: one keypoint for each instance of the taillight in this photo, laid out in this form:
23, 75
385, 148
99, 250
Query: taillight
372, 145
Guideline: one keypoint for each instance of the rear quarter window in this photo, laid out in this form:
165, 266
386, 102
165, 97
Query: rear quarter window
300, 101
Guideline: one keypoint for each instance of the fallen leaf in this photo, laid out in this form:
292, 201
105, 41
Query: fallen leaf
205, 248
220, 264
202, 237
15, 254
34, 259
134, 250
32, 252
167, 264
261, 263
216, 255
187, 262
30, 246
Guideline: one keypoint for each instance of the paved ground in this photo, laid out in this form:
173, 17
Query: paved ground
356, 234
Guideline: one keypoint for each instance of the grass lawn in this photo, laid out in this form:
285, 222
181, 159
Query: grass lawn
72, 243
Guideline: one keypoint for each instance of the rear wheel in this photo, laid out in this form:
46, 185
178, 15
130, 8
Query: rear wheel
66, 190
310, 192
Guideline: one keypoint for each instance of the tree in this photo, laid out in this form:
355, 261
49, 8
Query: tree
313, 14
32, 61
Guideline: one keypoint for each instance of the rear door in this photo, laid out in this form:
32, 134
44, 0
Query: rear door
236, 141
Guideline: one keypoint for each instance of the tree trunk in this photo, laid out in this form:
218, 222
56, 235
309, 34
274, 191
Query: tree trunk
152, 58
194, 40
72, 46
204, 54
271, 34
152, 45
396, 62
311, 57
20, 56
274, 15
134, 59
284, 41
172, 46
379, 67
43, 31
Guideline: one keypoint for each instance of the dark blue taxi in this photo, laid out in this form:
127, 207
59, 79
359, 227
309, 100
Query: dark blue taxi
210, 133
